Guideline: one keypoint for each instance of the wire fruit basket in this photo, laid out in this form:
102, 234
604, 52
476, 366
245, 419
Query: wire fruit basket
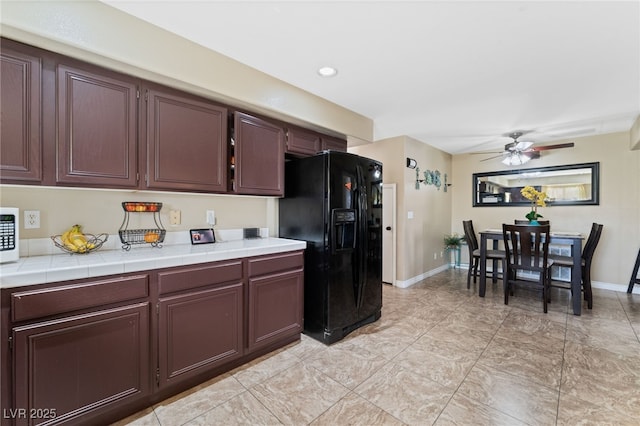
153, 236
94, 242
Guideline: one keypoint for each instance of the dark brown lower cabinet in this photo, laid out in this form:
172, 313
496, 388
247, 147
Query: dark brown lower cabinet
199, 330
276, 286
94, 351
68, 367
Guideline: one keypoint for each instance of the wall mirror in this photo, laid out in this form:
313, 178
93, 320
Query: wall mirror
573, 184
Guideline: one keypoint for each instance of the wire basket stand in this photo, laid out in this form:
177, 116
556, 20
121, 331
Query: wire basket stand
152, 236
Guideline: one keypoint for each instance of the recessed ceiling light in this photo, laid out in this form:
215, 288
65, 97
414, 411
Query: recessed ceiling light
327, 71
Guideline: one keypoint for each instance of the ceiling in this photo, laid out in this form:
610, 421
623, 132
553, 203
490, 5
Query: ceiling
457, 75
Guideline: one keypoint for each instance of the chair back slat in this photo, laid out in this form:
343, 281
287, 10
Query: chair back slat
527, 246
592, 242
470, 235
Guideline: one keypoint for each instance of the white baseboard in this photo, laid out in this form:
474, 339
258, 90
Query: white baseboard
615, 287
621, 288
417, 279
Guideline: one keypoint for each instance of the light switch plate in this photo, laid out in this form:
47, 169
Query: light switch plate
211, 217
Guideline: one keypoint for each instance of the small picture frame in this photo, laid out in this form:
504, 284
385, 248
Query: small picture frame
202, 236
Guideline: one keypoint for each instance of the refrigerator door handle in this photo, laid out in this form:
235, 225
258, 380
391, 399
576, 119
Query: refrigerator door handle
362, 235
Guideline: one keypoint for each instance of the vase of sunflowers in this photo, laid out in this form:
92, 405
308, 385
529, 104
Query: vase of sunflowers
537, 199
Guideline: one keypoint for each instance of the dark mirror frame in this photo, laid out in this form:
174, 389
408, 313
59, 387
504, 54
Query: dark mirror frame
595, 186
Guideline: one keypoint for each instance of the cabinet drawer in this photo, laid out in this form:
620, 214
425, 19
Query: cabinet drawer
184, 279
274, 263
57, 300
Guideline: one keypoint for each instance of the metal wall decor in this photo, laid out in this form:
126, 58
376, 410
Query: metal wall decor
431, 177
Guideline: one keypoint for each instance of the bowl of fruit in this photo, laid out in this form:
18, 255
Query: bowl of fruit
74, 241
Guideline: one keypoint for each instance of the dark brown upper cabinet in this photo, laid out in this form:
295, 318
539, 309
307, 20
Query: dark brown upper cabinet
20, 106
186, 142
259, 156
70, 123
97, 127
302, 142
334, 144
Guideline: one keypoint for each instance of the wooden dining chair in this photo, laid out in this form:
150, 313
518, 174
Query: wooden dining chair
474, 253
527, 259
634, 275
586, 259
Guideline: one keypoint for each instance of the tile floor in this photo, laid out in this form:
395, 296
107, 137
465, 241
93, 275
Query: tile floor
440, 355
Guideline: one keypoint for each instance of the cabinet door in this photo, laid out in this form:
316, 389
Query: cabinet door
334, 144
259, 156
20, 105
81, 365
97, 128
275, 307
186, 143
198, 331
301, 142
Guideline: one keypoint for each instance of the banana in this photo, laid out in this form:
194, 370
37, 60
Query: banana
75, 241
77, 238
65, 240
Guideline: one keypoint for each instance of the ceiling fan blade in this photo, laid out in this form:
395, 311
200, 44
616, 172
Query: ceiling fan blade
547, 147
491, 158
522, 146
486, 152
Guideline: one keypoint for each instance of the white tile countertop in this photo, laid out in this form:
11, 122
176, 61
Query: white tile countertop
63, 266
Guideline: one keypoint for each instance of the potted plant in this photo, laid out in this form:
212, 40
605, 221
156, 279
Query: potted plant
453, 241
537, 199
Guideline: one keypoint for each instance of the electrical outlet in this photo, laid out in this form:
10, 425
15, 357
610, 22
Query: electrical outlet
174, 217
435, 256
211, 217
31, 219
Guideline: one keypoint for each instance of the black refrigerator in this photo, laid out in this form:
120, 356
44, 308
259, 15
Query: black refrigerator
333, 201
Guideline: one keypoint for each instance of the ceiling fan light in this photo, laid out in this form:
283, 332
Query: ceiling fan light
515, 159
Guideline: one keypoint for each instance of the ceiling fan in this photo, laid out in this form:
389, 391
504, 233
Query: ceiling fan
519, 152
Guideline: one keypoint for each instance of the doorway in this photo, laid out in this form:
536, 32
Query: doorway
389, 233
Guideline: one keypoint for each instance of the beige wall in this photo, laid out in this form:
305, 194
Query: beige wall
420, 238
634, 135
97, 33
619, 208
100, 211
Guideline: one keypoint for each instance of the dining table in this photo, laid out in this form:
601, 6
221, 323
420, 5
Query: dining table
571, 239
